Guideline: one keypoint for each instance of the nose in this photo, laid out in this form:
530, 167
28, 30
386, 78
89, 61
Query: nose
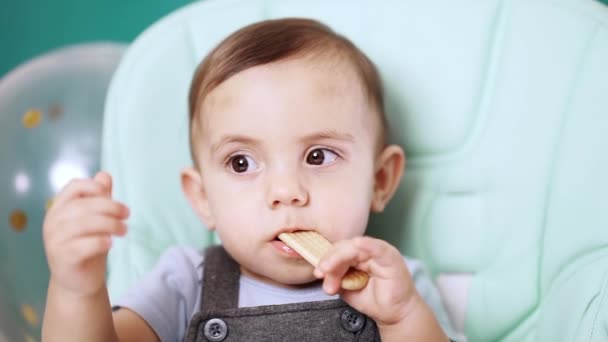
286, 190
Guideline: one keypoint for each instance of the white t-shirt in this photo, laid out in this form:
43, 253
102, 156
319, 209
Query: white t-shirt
168, 296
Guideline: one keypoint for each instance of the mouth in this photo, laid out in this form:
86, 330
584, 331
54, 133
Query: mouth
282, 248
290, 230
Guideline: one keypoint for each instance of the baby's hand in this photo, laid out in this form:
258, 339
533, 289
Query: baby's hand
77, 233
390, 294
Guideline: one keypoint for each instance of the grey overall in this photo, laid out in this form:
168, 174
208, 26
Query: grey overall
220, 319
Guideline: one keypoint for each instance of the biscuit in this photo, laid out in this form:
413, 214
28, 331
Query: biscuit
312, 245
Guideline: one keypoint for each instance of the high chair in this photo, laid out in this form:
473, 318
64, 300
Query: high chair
502, 108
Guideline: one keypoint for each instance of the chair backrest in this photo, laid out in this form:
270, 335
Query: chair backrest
501, 107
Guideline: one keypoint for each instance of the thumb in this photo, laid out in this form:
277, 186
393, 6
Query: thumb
104, 179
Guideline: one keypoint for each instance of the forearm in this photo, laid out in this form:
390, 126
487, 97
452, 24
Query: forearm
419, 325
69, 317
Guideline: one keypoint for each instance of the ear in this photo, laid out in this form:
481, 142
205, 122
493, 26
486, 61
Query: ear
192, 186
387, 176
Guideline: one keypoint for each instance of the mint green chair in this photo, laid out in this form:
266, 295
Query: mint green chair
502, 107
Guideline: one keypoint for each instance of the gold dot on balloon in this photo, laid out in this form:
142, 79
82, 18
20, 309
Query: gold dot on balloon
28, 338
32, 118
29, 314
55, 112
18, 220
49, 203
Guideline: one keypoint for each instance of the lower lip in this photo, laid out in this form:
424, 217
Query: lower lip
285, 250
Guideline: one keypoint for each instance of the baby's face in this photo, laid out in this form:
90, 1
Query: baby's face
283, 147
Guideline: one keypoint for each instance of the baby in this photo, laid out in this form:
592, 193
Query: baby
287, 134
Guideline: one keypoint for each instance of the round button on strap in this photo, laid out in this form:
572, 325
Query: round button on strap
352, 321
216, 330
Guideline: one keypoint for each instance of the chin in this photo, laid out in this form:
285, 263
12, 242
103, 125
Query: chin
269, 268
288, 276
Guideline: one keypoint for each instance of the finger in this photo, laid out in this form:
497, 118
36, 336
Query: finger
383, 261
95, 225
105, 180
77, 188
382, 257
336, 262
85, 207
342, 255
87, 247
74, 218
331, 284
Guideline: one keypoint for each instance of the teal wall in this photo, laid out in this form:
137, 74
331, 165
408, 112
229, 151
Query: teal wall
32, 27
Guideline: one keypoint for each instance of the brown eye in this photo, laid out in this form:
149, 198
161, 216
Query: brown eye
315, 157
320, 156
241, 163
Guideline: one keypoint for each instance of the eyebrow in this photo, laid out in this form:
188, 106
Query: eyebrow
239, 139
329, 134
247, 140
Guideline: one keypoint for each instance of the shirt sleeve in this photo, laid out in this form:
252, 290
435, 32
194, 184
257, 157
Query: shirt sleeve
166, 297
429, 292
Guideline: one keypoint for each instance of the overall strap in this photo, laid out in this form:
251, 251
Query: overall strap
221, 276
221, 320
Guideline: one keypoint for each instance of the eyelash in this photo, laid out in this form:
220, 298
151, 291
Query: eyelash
228, 162
230, 158
338, 155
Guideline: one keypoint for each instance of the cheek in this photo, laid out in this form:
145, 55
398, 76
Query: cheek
233, 204
346, 203
349, 216
235, 223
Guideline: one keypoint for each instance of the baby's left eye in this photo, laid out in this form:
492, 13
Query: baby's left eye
321, 156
